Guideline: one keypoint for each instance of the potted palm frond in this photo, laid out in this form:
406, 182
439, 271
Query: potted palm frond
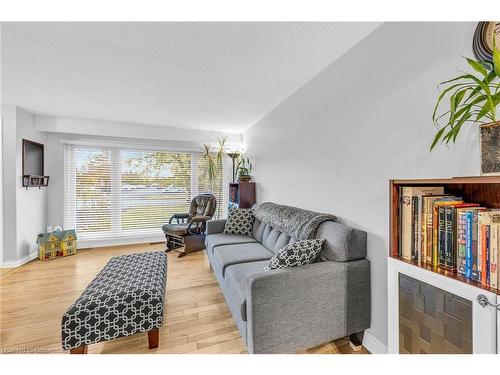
244, 168
472, 98
215, 159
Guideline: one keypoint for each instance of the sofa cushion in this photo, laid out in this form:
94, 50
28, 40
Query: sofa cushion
236, 277
175, 229
271, 238
239, 221
342, 243
220, 239
224, 256
295, 254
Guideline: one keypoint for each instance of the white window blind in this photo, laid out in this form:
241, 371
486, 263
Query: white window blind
117, 192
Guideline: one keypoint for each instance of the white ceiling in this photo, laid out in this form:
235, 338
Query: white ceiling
212, 76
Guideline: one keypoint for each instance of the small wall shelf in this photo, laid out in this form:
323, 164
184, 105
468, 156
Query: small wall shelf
35, 181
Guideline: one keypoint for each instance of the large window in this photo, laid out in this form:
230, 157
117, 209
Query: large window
111, 191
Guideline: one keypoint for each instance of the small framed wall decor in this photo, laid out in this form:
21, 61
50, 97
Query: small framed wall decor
490, 148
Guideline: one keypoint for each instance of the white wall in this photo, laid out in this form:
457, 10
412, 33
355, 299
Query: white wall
334, 144
32, 202
24, 210
9, 183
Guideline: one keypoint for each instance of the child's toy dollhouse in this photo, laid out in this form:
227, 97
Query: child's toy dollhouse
56, 244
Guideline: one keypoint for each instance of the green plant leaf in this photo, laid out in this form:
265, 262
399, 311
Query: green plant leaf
477, 66
467, 98
496, 58
437, 137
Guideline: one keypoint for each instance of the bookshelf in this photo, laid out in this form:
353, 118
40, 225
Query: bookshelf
484, 190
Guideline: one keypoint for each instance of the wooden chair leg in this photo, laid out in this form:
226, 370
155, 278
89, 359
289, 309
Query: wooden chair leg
356, 341
79, 350
154, 338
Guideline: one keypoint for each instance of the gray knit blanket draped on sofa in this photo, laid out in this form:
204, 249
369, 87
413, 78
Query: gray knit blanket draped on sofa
295, 222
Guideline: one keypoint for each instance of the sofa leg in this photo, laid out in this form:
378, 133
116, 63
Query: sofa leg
356, 341
154, 338
79, 350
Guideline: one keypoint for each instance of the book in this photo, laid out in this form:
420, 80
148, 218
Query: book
468, 243
486, 219
475, 249
441, 235
414, 228
461, 223
482, 244
427, 229
406, 223
400, 221
446, 201
486, 263
409, 234
458, 227
450, 257
494, 255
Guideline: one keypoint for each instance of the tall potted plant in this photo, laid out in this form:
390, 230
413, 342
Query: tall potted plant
469, 98
215, 160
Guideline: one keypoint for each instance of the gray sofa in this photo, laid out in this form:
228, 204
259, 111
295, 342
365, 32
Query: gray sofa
288, 310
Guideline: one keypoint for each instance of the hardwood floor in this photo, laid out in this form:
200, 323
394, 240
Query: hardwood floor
34, 296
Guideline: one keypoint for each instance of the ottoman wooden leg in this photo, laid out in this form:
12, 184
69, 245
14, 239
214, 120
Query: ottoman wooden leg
80, 350
154, 338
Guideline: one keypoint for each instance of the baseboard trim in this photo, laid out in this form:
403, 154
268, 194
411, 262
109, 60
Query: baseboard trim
19, 262
373, 345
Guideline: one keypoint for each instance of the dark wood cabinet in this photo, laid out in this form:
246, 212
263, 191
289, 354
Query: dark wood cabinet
242, 194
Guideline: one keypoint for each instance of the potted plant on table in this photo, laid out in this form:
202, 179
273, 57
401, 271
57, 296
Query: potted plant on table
244, 168
472, 98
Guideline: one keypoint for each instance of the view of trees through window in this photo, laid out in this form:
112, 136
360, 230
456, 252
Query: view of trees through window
120, 192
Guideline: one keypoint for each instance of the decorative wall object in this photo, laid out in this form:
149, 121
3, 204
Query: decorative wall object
482, 43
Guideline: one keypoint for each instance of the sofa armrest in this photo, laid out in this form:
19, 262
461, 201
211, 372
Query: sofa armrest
215, 226
297, 308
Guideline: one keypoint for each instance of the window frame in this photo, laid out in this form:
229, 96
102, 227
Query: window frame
117, 232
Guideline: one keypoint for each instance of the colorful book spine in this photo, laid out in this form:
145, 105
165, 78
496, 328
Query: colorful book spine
441, 236
468, 244
450, 257
460, 242
406, 223
494, 259
418, 229
423, 235
483, 243
400, 222
476, 254
446, 201
414, 228
428, 231
487, 250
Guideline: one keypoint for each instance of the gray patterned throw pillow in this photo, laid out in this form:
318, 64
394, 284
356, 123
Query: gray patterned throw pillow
295, 254
239, 221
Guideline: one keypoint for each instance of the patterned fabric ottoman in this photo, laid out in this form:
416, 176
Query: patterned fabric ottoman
126, 297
